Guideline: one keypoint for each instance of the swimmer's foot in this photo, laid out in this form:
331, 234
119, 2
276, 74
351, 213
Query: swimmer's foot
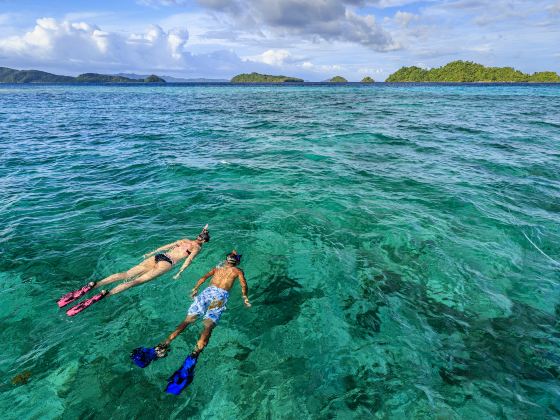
143, 356
75, 295
183, 376
75, 310
161, 350
196, 351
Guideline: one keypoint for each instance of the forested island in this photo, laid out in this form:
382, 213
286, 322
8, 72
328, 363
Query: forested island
8, 75
263, 78
171, 79
109, 78
454, 72
470, 72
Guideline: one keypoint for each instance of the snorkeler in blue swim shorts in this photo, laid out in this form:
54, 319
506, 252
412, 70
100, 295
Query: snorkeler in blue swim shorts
209, 305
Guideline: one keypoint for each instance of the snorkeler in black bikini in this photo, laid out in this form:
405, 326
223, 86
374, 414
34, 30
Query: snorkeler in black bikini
152, 267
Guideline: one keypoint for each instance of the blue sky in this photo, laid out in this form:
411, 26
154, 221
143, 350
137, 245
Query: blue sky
313, 39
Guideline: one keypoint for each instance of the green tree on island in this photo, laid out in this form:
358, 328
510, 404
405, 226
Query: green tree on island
338, 79
469, 72
152, 78
8, 75
262, 78
103, 78
545, 77
367, 79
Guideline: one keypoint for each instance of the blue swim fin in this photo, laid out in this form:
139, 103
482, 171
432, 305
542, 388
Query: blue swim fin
182, 376
143, 356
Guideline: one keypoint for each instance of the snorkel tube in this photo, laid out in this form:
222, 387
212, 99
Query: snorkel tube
204, 236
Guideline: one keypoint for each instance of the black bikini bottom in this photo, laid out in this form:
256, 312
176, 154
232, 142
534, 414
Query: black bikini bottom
163, 257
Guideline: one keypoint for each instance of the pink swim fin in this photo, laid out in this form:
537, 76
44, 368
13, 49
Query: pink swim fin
86, 303
76, 294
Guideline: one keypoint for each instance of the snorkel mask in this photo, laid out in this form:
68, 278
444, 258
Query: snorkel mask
204, 236
233, 258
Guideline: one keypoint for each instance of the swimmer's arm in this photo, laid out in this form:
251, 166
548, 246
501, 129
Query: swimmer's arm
243, 283
201, 281
162, 248
186, 264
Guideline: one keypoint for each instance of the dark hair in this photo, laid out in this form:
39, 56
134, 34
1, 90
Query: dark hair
233, 258
204, 236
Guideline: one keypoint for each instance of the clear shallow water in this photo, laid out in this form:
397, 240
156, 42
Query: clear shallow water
382, 230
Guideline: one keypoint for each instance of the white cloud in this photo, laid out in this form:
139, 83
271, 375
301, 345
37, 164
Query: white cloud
81, 42
272, 57
79, 47
368, 71
322, 68
404, 18
311, 20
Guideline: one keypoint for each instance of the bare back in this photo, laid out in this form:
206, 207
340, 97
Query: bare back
224, 277
182, 250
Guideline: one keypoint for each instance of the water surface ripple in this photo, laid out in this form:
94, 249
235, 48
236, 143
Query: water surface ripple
382, 229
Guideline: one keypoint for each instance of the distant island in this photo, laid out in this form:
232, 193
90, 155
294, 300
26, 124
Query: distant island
171, 79
469, 72
109, 78
454, 72
263, 78
8, 75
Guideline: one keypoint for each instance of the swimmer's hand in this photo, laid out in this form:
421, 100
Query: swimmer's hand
246, 301
176, 276
194, 292
147, 255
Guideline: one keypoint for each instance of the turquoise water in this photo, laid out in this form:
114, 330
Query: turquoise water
383, 233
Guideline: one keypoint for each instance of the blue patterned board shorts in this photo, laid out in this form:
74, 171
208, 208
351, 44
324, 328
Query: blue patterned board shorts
210, 303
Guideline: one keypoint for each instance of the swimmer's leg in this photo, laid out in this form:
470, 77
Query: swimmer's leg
150, 275
141, 268
202, 342
180, 328
184, 376
137, 270
143, 356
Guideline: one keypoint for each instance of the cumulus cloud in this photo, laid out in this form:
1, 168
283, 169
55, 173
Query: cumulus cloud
82, 42
81, 46
273, 57
315, 20
404, 18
